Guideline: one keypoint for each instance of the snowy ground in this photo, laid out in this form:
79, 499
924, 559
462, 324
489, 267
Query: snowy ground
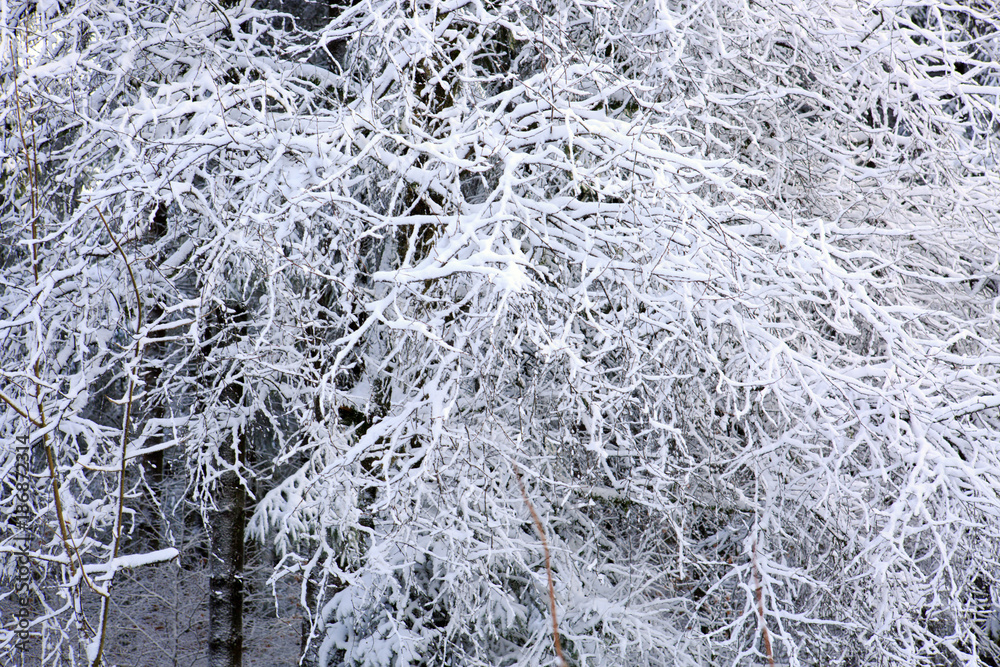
159, 618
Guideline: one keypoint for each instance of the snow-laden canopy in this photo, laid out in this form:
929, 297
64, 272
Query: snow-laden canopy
689, 307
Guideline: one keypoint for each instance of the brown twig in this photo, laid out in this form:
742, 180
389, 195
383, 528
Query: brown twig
16, 408
758, 589
548, 568
32, 168
32, 171
126, 419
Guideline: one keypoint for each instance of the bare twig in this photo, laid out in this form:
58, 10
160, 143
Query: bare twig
33, 187
548, 568
16, 408
758, 590
117, 537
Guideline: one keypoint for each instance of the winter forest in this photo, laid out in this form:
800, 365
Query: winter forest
580, 333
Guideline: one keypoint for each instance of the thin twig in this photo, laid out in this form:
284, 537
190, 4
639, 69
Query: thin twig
548, 568
758, 589
32, 173
117, 535
24, 413
32, 170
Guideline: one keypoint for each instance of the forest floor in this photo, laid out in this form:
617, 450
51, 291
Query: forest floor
159, 618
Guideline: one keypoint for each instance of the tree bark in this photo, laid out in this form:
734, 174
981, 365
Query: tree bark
225, 603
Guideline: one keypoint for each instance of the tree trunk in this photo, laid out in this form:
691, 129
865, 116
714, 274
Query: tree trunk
225, 602
308, 651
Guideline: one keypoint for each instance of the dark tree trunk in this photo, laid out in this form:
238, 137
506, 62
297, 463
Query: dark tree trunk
225, 602
227, 517
156, 525
308, 653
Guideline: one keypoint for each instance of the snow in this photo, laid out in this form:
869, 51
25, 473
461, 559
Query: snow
712, 290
